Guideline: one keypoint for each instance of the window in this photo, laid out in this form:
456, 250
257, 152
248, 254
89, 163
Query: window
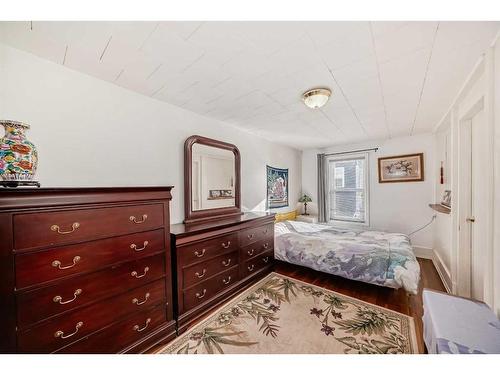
348, 188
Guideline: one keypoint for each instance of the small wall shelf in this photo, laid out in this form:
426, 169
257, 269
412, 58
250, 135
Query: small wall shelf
440, 208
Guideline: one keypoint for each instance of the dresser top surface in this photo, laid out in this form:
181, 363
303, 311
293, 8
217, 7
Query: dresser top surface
180, 230
81, 190
21, 198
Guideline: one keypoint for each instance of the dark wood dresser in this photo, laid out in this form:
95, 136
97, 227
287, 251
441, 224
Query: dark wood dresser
214, 260
85, 270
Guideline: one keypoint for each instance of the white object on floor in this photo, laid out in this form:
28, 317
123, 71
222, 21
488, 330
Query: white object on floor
459, 325
307, 218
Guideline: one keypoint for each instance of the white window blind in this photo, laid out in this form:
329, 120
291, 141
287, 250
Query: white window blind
347, 186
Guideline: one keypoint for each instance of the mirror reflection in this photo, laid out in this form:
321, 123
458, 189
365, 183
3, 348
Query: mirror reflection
213, 177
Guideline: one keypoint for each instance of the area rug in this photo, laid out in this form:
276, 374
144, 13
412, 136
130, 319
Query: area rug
283, 315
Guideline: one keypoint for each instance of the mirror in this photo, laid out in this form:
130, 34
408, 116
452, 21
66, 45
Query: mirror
212, 179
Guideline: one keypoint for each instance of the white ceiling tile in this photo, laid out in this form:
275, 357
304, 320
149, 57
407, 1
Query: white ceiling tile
28, 36
165, 45
405, 73
362, 92
385, 27
359, 70
447, 71
269, 37
251, 75
411, 37
352, 48
452, 34
323, 33
187, 29
126, 39
401, 112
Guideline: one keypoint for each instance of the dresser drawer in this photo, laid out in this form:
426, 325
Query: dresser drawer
63, 227
202, 292
201, 251
257, 263
78, 291
252, 235
256, 248
38, 267
202, 271
117, 337
72, 326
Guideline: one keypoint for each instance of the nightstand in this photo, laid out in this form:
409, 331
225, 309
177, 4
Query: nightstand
307, 218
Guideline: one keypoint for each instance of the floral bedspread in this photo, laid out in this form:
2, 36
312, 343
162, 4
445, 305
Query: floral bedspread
374, 257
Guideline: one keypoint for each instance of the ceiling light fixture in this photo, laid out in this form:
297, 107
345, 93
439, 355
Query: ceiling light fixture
316, 98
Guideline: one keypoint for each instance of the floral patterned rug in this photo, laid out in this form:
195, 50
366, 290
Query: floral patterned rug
284, 315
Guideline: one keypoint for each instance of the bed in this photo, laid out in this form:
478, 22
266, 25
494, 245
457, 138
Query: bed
374, 257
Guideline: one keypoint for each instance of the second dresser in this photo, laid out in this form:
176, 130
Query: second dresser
215, 259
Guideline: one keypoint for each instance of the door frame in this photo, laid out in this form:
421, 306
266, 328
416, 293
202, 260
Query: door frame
463, 200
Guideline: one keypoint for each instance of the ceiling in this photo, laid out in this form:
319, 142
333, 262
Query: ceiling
388, 78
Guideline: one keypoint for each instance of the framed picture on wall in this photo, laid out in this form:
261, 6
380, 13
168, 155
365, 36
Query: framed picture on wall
401, 168
446, 201
277, 187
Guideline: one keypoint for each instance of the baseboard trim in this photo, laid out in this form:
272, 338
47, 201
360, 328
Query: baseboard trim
423, 252
429, 253
442, 271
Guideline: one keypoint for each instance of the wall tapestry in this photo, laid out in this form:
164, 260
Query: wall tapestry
277, 187
402, 168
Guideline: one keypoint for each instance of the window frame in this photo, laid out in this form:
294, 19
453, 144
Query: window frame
367, 185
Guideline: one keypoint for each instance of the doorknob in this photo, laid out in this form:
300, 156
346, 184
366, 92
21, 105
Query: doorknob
470, 219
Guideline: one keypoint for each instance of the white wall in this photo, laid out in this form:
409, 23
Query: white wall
496, 178
482, 84
92, 133
442, 229
398, 207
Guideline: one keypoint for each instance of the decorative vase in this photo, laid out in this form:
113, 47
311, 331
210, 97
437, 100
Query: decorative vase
18, 156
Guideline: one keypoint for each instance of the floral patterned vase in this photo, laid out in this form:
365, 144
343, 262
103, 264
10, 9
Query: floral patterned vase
18, 156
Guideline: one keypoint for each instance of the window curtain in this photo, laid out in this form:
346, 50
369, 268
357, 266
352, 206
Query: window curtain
322, 201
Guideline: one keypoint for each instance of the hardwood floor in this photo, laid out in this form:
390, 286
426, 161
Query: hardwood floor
396, 300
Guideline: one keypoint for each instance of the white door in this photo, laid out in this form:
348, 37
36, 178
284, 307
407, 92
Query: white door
478, 203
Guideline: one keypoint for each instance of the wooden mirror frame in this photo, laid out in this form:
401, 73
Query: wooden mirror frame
212, 213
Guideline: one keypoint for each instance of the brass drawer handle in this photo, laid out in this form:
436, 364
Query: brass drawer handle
200, 275
250, 236
61, 333
134, 219
138, 329
226, 245
136, 301
57, 263
58, 299
135, 248
225, 282
250, 252
266, 259
266, 245
199, 255
57, 228
137, 276
226, 263
200, 296
251, 267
